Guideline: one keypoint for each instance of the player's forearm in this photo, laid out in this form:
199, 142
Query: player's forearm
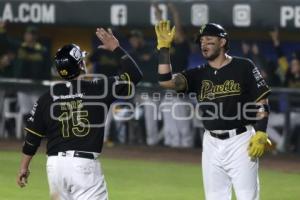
24, 172
128, 65
165, 72
165, 69
25, 161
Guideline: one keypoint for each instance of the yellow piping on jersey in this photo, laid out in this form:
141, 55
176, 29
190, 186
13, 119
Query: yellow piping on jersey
29, 143
128, 77
33, 132
259, 98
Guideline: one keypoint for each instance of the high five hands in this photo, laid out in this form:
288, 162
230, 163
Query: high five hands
164, 34
109, 41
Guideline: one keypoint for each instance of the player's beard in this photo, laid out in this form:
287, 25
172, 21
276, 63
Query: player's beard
215, 53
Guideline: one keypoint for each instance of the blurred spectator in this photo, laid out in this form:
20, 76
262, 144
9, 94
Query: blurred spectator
32, 60
290, 74
177, 125
6, 64
143, 55
292, 79
282, 61
268, 69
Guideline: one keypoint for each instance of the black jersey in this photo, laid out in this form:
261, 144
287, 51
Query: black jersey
71, 115
223, 94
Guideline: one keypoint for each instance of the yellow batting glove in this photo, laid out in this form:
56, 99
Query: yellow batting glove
258, 143
164, 34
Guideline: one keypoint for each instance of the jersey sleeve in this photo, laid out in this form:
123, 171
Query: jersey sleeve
257, 87
123, 85
35, 124
120, 87
190, 79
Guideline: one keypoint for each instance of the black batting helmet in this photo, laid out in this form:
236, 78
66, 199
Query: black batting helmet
69, 61
212, 29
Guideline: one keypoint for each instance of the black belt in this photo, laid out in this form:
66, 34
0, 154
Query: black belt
226, 135
78, 154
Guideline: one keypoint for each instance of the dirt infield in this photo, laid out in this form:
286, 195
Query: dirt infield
282, 162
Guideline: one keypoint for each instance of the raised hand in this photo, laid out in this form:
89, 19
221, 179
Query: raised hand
164, 34
109, 41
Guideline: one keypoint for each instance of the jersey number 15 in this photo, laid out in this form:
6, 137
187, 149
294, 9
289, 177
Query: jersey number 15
76, 122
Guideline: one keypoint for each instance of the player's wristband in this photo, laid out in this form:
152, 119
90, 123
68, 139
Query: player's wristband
261, 125
164, 56
164, 77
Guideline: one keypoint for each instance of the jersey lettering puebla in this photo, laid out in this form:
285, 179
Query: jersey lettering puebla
227, 95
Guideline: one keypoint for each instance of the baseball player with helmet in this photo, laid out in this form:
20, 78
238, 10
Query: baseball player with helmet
233, 98
71, 116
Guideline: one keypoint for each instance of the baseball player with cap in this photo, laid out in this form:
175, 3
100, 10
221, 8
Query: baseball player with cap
71, 115
233, 98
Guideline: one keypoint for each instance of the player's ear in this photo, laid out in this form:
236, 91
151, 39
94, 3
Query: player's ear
223, 42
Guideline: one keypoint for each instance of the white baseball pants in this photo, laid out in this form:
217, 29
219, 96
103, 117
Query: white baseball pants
225, 163
73, 178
